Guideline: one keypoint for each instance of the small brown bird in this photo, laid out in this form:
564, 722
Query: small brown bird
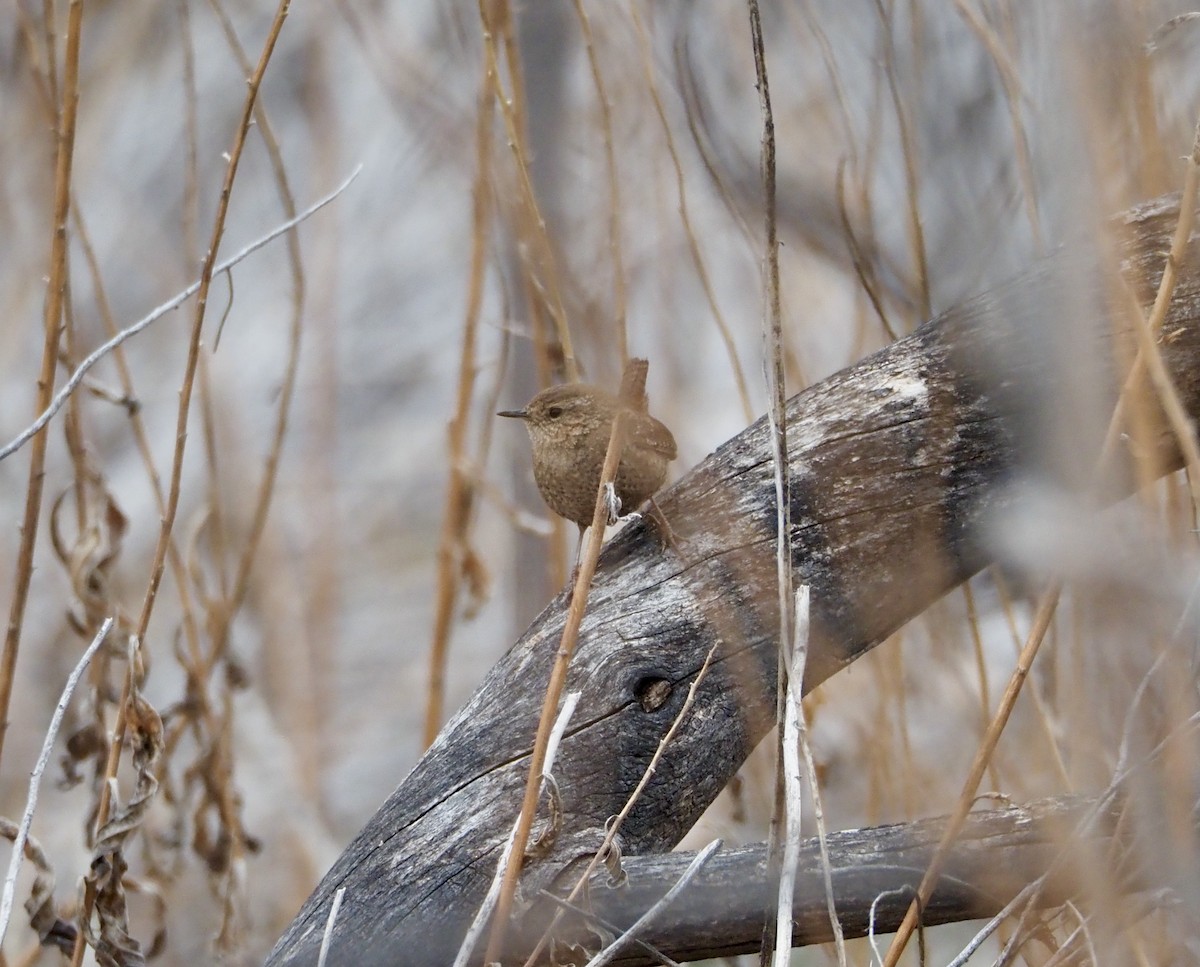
570, 425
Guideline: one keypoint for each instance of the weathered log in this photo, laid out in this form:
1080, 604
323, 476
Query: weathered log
898, 464
874, 871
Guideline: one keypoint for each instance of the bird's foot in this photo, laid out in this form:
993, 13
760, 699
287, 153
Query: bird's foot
612, 503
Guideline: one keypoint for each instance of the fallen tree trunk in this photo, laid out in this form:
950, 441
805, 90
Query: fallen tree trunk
899, 464
875, 874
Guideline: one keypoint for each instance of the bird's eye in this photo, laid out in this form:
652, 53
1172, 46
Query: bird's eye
554, 412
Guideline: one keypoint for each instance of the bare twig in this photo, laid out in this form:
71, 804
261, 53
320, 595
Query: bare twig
589, 916
911, 162
608, 953
777, 418
685, 218
1014, 94
793, 793
992, 925
795, 681
877, 957
983, 755
35, 778
496, 17
51, 321
614, 185
493, 894
459, 494
239, 585
154, 315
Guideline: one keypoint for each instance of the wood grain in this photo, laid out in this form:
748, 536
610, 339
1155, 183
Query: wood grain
875, 872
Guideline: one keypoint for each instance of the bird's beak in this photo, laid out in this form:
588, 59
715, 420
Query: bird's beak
515, 414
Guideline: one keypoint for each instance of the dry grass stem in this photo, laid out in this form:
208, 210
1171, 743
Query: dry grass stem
1014, 93
475, 931
1162, 299
908, 148
1016, 903
240, 584
496, 18
774, 367
607, 955
327, 936
173, 494
35, 778
685, 218
207, 271
795, 682
966, 798
55, 295
614, 183
793, 799
453, 547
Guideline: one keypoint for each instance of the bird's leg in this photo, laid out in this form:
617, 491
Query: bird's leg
578, 556
663, 527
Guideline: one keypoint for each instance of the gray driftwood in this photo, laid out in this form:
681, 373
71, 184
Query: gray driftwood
997, 855
899, 465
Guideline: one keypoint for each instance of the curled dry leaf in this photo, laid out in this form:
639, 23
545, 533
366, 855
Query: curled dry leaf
90, 741
477, 579
113, 944
89, 559
51, 930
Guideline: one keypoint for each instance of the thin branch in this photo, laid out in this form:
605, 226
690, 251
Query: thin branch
795, 681
497, 17
35, 778
52, 320
590, 917
777, 417
992, 925
911, 162
983, 755
266, 490
174, 302
685, 218
793, 793
493, 894
207, 271
608, 953
459, 494
614, 185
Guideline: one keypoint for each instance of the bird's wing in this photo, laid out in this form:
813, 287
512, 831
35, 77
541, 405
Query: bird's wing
649, 433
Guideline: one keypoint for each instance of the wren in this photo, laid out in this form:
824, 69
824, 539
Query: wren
570, 426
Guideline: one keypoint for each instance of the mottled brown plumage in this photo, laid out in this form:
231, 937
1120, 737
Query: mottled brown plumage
570, 425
